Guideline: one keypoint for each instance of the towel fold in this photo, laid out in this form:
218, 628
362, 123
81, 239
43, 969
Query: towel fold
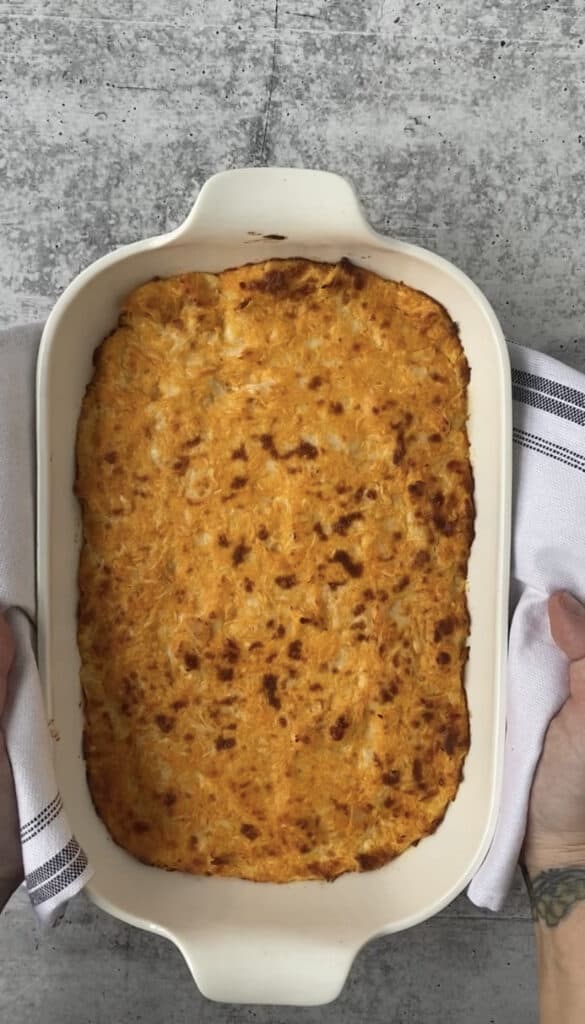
55, 867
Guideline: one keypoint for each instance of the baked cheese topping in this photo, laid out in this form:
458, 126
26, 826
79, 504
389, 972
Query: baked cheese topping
274, 475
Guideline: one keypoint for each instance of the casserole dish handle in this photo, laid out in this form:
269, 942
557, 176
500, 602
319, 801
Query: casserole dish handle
270, 966
272, 204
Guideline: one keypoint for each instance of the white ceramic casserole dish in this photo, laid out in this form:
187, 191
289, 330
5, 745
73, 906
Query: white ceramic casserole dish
247, 942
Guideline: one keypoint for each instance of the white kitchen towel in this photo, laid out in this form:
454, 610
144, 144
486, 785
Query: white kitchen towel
55, 866
548, 554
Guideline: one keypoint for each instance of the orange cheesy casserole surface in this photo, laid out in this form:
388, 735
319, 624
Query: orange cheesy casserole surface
274, 477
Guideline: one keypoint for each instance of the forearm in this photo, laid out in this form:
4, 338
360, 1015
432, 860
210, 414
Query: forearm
10, 856
558, 903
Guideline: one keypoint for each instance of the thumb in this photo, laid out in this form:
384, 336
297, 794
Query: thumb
567, 625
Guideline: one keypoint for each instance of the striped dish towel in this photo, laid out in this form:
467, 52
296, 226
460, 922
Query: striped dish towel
55, 867
548, 554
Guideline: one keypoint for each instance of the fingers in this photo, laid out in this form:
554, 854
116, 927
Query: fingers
6, 647
567, 625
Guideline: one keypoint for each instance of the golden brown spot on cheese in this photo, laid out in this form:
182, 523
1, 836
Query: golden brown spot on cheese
267, 442
304, 450
450, 741
269, 684
444, 627
344, 558
164, 722
339, 727
181, 465
231, 650
286, 582
240, 553
443, 525
238, 482
225, 743
371, 861
191, 660
295, 650
240, 453
336, 408
249, 831
315, 382
344, 522
417, 489
401, 584
388, 692
421, 558
225, 673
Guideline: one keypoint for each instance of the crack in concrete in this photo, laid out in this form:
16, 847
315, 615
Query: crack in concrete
271, 84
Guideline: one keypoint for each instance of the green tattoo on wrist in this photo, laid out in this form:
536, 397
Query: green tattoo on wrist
554, 893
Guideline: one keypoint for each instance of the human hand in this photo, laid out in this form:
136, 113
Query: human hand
555, 835
554, 847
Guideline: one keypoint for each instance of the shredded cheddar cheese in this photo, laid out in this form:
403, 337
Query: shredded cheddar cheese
274, 476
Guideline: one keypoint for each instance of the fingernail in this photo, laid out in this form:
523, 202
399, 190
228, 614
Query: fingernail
571, 605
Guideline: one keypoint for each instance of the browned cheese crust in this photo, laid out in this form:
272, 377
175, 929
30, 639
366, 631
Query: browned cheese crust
277, 499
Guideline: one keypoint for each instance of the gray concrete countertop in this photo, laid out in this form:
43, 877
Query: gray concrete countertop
461, 126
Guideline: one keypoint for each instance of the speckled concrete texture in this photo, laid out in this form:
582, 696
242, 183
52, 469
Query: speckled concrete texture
461, 126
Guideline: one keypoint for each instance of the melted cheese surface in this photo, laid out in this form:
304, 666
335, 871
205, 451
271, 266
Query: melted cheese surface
274, 475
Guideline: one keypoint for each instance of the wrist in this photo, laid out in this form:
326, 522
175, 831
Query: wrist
557, 897
549, 854
561, 969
